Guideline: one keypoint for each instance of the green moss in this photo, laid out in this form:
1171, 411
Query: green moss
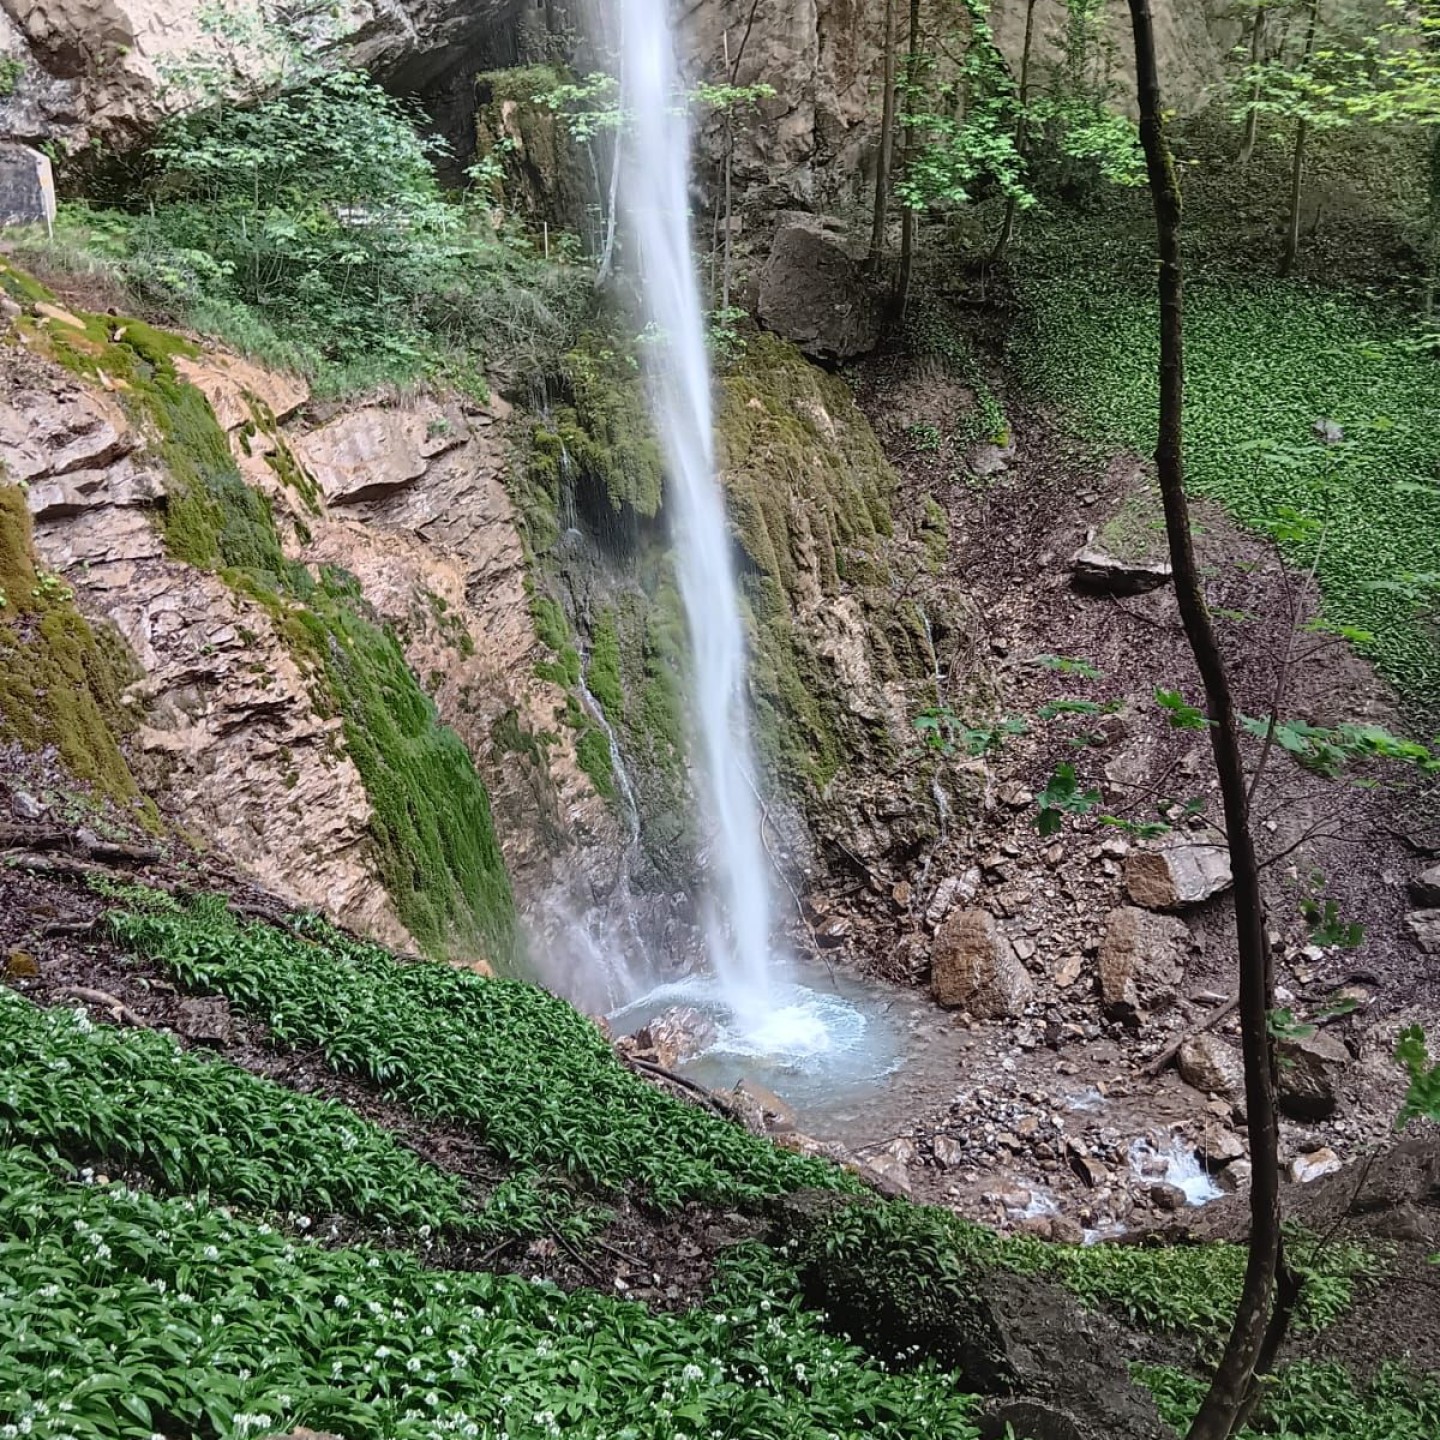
592, 753
605, 430
809, 491
520, 83
433, 830
551, 627
603, 677
60, 681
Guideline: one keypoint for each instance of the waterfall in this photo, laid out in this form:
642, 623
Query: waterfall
654, 194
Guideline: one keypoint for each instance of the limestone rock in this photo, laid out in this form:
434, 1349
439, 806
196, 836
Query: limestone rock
240, 391
1425, 888
366, 454
1095, 569
50, 430
1176, 875
1310, 1068
773, 1112
1219, 1146
676, 1035
1141, 961
1424, 928
949, 1152
24, 806
1211, 1064
1305, 1168
814, 294
973, 967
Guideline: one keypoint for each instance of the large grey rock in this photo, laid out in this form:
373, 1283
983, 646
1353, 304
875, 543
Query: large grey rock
973, 967
1096, 569
1310, 1070
1141, 961
27, 186
1177, 875
1425, 888
814, 294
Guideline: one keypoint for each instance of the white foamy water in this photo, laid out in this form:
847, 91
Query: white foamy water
654, 194
1181, 1168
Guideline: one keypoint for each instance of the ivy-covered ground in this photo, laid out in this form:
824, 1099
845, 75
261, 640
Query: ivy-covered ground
1313, 410
348, 1214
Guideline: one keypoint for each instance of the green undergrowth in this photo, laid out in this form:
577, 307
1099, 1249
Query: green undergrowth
1311, 1401
434, 835
897, 1250
61, 680
1267, 360
533, 1077
129, 1315
133, 1099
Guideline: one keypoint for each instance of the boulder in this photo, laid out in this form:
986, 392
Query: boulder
755, 1100
1305, 1168
813, 293
1098, 571
1141, 961
1424, 928
27, 187
949, 1152
676, 1035
1177, 875
1219, 1146
1310, 1069
1425, 888
974, 967
1211, 1064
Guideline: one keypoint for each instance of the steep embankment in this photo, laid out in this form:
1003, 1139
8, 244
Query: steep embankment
293, 1210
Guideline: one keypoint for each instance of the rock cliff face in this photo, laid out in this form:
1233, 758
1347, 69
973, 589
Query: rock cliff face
822, 58
246, 744
106, 68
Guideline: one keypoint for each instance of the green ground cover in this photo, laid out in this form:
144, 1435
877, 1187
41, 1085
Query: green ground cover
526, 1071
1267, 360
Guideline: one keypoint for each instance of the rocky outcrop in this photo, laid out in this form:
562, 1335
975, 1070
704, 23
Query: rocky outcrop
105, 69
243, 756
973, 967
815, 147
1097, 570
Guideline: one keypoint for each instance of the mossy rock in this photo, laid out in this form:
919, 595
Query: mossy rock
61, 681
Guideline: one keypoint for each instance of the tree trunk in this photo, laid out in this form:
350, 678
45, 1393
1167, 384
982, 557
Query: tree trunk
1252, 116
887, 142
907, 227
1012, 203
1297, 166
1231, 1382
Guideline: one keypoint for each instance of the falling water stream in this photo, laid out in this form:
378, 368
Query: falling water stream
655, 193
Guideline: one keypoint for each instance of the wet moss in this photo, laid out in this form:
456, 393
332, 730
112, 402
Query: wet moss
810, 492
603, 678
592, 753
434, 835
61, 682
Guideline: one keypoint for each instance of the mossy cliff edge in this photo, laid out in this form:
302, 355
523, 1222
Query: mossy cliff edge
432, 843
